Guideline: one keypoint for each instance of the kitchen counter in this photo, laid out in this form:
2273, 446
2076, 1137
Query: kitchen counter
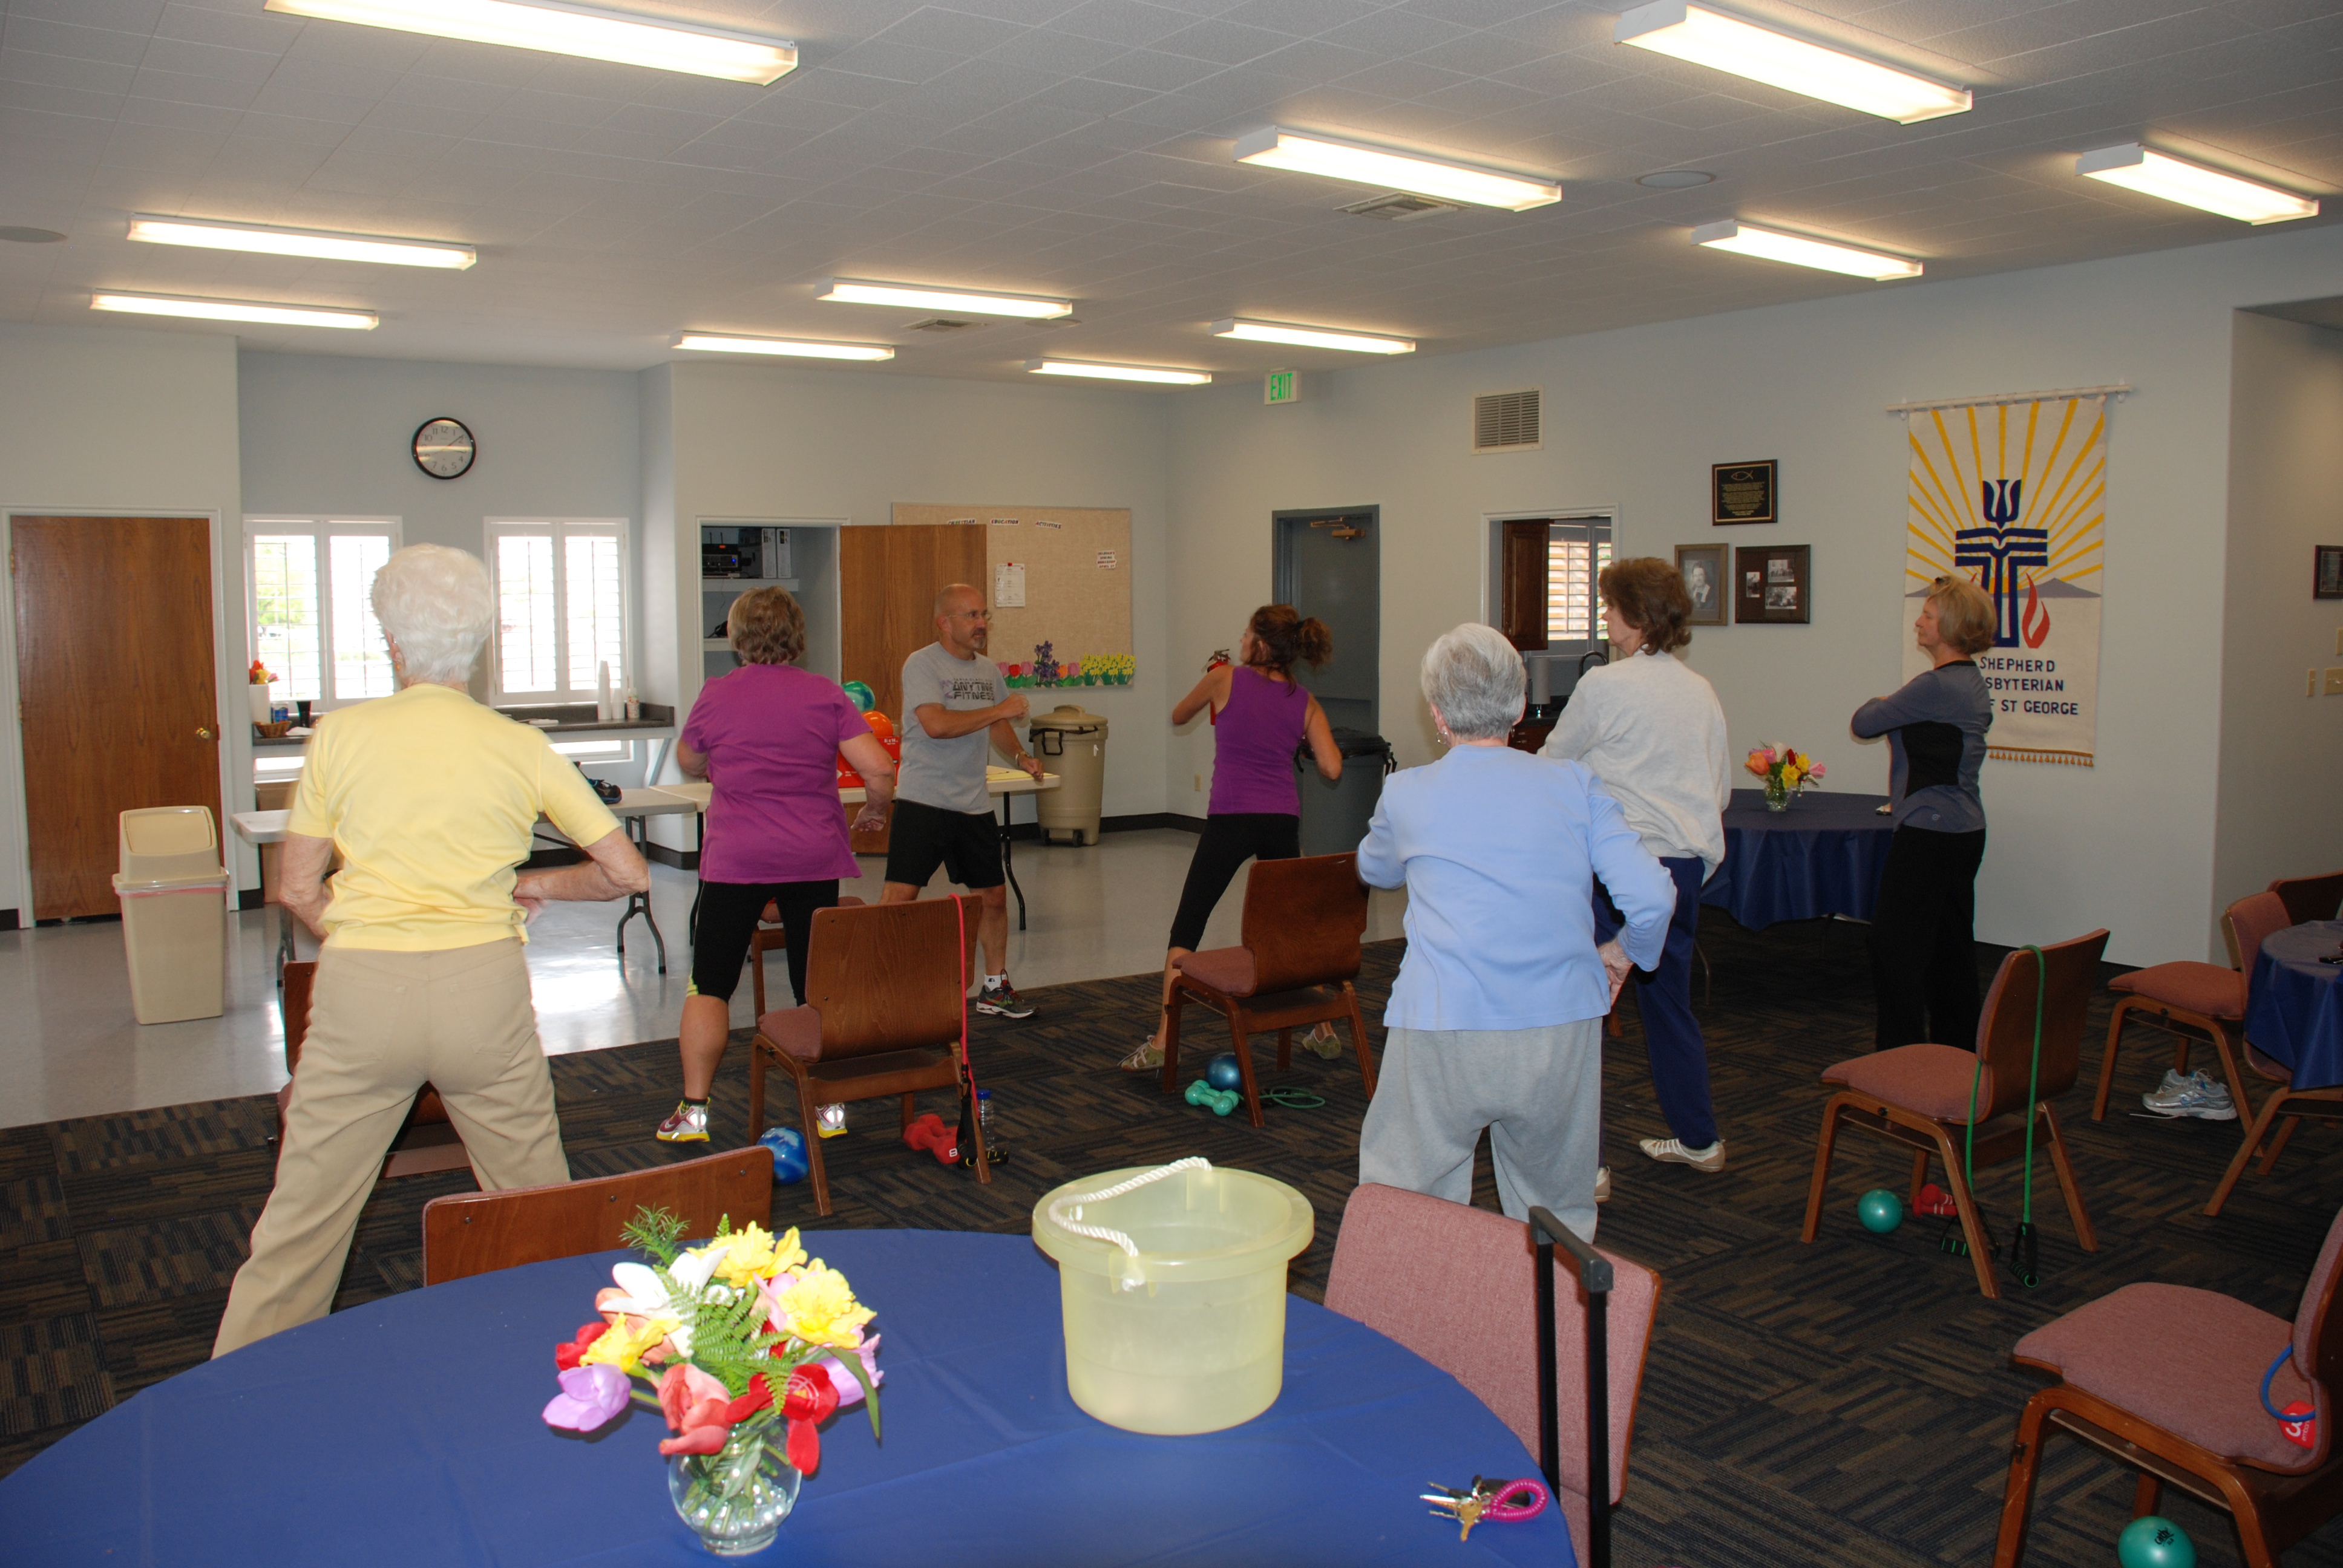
569, 718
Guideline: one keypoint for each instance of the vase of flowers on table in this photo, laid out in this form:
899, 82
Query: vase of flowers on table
746, 1346
1785, 772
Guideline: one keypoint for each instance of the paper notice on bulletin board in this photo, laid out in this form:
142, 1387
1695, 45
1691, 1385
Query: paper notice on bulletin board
1009, 584
1059, 575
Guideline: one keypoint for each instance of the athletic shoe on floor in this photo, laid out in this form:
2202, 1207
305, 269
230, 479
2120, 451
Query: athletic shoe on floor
687, 1125
1003, 1001
829, 1122
1603, 1185
1324, 1042
1668, 1152
2195, 1095
1147, 1057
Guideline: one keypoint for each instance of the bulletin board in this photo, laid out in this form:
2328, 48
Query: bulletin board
1070, 564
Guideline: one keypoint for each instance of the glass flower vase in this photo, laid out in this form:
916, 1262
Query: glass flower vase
1778, 795
735, 1499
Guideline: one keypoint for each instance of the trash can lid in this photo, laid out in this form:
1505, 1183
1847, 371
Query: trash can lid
1359, 743
1067, 717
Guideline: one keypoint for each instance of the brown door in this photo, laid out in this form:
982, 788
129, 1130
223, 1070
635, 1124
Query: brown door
113, 680
888, 577
1523, 612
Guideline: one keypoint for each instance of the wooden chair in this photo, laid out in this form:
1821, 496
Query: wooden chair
1298, 954
2183, 996
1403, 1261
474, 1232
887, 999
769, 938
2168, 1380
2311, 897
2285, 1099
426, 1143
1920, 1095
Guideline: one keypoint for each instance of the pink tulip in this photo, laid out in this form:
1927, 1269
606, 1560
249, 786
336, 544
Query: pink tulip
589, 1397
1818, 771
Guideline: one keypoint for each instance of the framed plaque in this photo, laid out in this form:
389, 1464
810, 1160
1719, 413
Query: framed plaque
1744, 492
1773, 585
2327, 572
1708, 572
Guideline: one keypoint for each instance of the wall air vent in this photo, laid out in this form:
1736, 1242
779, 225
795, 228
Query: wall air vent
943, 323
1401, 208
1505, 421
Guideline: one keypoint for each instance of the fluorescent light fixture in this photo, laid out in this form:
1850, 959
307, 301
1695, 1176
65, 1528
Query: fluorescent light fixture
1156, 373
861, 291
1308, 153
2135, 168
560, 28
1745, 239
236, 310
1724, 43
797, 348
209, 235
1310, 336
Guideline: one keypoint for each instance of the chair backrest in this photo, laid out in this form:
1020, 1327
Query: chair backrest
1302, 921
888, 977
474, 1232
2319, 1335
1404, 1263
2253, 921
2309, 898
2006, 1028
299, 979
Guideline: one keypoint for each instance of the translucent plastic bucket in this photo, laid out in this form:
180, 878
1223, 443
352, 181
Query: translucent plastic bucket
1183, 1330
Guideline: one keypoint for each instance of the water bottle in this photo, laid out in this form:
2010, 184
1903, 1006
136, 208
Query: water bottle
985, 1108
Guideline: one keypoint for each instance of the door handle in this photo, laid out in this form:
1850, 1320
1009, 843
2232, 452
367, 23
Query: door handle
203, 732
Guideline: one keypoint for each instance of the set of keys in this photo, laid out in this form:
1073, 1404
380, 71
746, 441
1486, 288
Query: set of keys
1502, 1500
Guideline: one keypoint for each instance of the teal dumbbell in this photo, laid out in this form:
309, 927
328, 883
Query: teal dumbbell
1222, 1101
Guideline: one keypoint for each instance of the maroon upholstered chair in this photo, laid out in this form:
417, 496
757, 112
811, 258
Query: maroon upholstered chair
1920, 1096
769, 938
2284, 1100
2183, 995
2309, 899
2168, 1380
1403, 1264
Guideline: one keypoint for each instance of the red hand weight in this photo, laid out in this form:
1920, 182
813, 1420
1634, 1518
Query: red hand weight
928, 1132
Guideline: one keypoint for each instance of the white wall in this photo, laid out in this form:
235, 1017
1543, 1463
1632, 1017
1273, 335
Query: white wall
1633, 420
2281, 750
123, 421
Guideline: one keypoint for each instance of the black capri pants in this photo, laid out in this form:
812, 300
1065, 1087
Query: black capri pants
728, 912
1230, 838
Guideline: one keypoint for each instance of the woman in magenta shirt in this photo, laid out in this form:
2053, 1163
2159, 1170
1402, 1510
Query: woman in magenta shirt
1261, 718
768, 736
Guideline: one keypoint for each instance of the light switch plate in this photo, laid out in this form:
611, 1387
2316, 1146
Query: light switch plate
2335, 680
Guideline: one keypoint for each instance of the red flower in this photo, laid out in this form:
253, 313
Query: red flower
811, 1399
564, 1356
696, 1408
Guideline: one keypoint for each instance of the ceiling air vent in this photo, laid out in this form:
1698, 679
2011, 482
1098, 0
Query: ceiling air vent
1401, 208
943, 323
1505, 421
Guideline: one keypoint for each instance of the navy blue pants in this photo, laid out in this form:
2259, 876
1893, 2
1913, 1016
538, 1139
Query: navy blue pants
1664, 996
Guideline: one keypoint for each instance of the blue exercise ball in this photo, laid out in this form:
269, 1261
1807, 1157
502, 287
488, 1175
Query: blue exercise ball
1222, 1071
788, 1145
2155, 1543
1880, 1211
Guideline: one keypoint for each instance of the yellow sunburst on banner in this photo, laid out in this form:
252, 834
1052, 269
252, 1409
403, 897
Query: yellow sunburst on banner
2053, 451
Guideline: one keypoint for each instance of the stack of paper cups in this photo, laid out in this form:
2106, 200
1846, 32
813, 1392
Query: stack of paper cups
602, 694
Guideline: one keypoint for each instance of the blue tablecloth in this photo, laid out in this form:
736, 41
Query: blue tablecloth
406, 1433
2294, 1014
1823, 856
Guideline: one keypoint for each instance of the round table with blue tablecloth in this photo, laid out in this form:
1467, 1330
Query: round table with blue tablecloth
406, 1432
1823, 856
2294, 1013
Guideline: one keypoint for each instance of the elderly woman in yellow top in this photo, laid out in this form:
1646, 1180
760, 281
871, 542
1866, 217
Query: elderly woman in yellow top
431, 800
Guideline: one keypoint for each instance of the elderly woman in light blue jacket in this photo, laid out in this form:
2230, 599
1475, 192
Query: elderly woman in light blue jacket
1496, 1018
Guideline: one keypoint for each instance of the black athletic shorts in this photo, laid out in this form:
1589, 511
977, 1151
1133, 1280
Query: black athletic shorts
729, 916
966, 844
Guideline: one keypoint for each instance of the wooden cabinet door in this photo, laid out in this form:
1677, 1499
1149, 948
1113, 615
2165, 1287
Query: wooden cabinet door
114, 679
1521, 613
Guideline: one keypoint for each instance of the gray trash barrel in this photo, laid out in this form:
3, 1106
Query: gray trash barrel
1335, 816
1071, 744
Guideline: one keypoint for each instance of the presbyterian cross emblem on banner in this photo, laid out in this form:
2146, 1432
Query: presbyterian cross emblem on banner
2013, 497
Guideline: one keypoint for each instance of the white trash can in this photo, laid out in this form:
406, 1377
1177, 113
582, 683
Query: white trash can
173, 894
1072, 744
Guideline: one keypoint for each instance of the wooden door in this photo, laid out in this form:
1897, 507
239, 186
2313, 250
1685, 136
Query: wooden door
888, 578
115, 691
1521, 614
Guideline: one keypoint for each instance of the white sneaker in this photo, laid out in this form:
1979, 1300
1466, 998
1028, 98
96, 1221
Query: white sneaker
830, 1121
1668, 1152
1603, 1185
2195, 1095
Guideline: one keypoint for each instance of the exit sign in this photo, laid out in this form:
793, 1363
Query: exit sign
1282, 387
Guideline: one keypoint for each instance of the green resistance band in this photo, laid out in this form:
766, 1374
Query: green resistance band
1295, 1099
2023, 1259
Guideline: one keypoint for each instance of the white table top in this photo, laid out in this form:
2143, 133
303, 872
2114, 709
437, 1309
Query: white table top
998, 781
268, 827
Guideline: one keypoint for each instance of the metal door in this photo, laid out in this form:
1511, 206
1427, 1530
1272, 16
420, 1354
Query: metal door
1329, 564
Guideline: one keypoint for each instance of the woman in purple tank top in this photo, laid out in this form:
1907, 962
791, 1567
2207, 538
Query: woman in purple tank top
1260, 717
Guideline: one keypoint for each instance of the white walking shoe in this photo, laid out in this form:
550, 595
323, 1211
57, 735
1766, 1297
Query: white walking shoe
1668, 1152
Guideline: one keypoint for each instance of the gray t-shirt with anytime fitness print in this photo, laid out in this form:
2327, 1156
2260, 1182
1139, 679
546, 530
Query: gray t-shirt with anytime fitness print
946, 774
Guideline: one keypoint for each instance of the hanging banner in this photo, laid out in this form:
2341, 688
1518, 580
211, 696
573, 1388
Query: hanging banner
2013, 497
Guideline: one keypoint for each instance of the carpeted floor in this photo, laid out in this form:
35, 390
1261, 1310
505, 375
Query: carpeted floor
1845, 1403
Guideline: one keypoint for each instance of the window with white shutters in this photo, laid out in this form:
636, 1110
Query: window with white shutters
309, 585
1576, 553
561, 606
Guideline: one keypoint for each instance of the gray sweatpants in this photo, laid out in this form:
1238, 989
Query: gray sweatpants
1539, 1091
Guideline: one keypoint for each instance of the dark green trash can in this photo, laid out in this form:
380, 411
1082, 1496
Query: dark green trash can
1335, 816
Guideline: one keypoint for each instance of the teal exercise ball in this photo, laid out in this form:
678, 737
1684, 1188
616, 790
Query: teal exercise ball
1880, 1211
1222, 1071
861, 695
2155, 1543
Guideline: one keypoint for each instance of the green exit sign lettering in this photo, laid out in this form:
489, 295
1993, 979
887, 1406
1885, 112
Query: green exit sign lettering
1282, 387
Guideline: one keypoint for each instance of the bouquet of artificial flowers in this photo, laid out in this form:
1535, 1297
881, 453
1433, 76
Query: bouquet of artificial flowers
1785, 772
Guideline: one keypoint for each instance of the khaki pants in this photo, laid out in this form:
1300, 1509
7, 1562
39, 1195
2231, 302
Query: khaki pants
381, 1025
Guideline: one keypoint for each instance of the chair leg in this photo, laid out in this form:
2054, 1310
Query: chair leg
1827, 1140
2107, 1065
2277, 1145
1919, 1177
1972, 1226
1171, 1009
909, 1106
2245, 1152
1244, 1065
809, 1118
2065, 1169
2228, 1055
2017, 1494
1284, 1051
1359, 1038
756, 1089
2145, 1495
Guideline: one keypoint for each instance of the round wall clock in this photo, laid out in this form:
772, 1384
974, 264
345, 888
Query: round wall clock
444, 448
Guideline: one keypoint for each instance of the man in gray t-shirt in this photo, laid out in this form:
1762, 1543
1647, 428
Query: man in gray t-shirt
955, 710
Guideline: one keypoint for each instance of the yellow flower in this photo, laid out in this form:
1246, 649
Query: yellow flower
741, 1257
622, 1344
820, 1309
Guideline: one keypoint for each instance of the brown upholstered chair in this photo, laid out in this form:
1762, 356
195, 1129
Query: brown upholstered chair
1920, 1095
2284, 1100
2184, 995
426, 1143
886, 1000
2168, 1380
474, 1232
2309, 899
769, 938
1403, 1263
1298, 953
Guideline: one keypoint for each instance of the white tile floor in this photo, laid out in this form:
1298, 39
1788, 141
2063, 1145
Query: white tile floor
69, 1046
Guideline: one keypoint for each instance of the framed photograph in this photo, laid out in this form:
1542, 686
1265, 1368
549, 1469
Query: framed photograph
2326, 576
1744, 492
1773, 585
1707, 571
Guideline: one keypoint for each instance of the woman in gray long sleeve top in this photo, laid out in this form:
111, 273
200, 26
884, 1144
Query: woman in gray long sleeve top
1923, 952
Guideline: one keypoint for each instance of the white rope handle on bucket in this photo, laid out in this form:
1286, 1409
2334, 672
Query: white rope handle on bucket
1067, 1211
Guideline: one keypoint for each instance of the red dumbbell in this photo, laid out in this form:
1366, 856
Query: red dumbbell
928, 1132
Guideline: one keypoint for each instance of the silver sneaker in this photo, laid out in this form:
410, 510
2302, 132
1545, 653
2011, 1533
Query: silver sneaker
2195, 1095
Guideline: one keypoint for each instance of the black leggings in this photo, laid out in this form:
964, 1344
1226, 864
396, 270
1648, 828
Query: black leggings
728, 919
1923, 952
1230, 838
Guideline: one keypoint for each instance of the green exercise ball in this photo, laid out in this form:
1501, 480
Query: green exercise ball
2155, 1543
861, 695
1880, 1211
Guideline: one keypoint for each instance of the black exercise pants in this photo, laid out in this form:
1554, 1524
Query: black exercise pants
1923, 952
1230, 838
728, 912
